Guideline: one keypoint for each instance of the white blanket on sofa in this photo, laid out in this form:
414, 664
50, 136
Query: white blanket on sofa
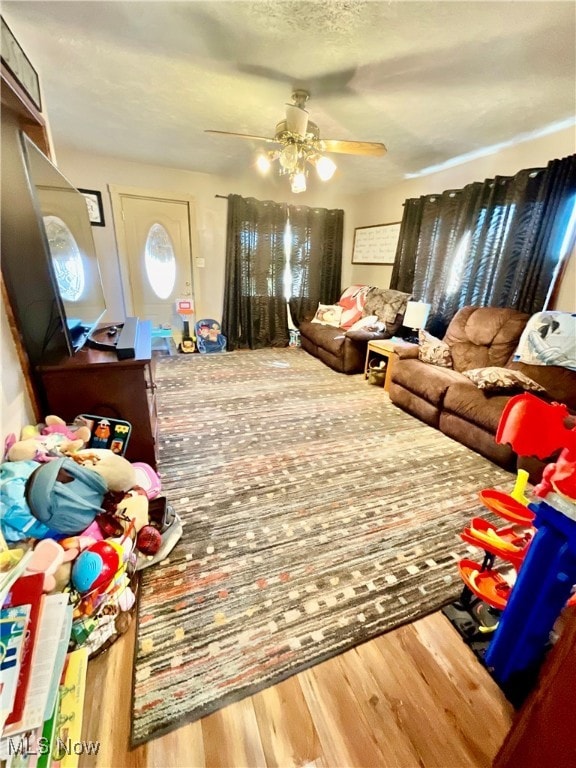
549, 338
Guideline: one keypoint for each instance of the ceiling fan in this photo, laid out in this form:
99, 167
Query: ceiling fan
298, 142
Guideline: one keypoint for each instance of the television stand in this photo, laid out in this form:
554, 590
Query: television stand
96, 381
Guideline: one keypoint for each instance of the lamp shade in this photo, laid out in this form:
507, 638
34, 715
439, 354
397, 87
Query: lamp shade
416, 314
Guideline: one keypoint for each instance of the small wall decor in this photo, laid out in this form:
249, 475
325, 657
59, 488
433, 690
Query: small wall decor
376, 244
14, 59
94, 204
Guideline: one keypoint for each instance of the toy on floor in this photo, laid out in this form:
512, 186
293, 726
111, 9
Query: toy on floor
47, 441
185, 309
209, 336
106, 432
548, 572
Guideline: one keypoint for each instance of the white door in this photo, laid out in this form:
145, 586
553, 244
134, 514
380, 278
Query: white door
157, 256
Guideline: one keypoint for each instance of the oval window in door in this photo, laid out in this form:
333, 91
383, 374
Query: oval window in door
66, 258
160, 261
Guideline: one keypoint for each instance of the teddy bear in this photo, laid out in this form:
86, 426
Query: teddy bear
48, 441
117, 471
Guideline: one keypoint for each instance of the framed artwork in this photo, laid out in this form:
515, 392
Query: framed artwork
15, 60
376, 244
94, 204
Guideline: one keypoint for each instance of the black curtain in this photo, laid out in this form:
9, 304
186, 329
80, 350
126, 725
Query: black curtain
262, 273
496, 243
254, 314
315, 258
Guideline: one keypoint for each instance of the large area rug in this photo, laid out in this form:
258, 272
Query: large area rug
317, 516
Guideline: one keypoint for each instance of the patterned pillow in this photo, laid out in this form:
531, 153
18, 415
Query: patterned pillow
493, 378
328, 314
352, 302
433, 350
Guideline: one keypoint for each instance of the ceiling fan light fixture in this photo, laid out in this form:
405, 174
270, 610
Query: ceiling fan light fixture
296, 119
298, 182
263, 163
289, 157
298, 142
325, 167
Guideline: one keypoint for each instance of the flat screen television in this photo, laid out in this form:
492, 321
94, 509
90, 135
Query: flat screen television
65, 228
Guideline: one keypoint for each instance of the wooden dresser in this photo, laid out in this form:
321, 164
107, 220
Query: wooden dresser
96, 382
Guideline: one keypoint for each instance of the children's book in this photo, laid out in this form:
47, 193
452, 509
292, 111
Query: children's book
53, 615
72, 705
109, 433
27, 590
13, 624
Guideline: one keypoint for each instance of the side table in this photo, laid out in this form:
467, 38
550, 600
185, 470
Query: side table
385, 348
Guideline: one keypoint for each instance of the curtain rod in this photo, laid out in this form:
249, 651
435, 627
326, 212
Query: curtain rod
222, 197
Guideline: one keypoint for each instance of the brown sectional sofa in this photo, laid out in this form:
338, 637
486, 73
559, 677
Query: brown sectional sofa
345, 350
449, 401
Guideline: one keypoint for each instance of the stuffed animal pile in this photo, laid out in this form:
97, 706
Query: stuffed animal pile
92, 520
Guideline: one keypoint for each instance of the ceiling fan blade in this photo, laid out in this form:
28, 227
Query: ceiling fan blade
243, 136
371, 148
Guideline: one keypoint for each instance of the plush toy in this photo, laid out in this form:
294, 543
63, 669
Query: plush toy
47, 558
117, 471
47, 441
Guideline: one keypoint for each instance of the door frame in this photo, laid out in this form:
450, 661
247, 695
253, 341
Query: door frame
116, 193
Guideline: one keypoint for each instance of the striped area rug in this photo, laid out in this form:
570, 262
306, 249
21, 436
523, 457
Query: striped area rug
316, 516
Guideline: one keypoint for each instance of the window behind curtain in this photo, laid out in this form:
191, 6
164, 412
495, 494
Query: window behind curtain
276, 253
494, 243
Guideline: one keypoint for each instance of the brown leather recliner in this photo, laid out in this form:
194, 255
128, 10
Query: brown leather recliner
478, 337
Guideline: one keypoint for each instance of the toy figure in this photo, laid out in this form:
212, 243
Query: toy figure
209, 336
101, 434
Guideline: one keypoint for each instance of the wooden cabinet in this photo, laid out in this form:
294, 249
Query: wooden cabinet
543, 732
96, 382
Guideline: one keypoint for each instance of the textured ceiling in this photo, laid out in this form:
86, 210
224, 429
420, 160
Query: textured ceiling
432, 80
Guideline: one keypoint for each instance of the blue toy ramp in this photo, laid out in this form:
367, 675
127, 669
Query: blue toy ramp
209, 336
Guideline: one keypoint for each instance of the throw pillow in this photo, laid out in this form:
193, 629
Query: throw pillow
328, 314
352, 302
365, 322
493, 379
434, 351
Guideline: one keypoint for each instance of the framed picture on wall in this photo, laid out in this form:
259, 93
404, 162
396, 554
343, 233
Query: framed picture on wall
376, 244
16, 61
94, 204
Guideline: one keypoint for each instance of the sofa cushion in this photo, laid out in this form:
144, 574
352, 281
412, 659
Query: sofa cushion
427, 381
471, 404
494, 379
559, 383
479, 337
328, 314
414, 405
432, 350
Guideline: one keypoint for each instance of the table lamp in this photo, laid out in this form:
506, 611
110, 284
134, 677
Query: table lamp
415, 318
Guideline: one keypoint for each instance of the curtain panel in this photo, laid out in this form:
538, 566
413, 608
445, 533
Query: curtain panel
276, 252
492, 243
315, 258
254, 313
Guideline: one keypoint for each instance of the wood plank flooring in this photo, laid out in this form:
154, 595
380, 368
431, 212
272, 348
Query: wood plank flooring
416, 696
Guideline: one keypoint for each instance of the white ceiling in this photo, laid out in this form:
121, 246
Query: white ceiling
432, 80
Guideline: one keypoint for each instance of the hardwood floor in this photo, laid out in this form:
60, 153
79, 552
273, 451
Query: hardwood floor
416, 696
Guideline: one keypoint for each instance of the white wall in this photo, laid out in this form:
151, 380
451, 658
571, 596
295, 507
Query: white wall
16, 410
386, 206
